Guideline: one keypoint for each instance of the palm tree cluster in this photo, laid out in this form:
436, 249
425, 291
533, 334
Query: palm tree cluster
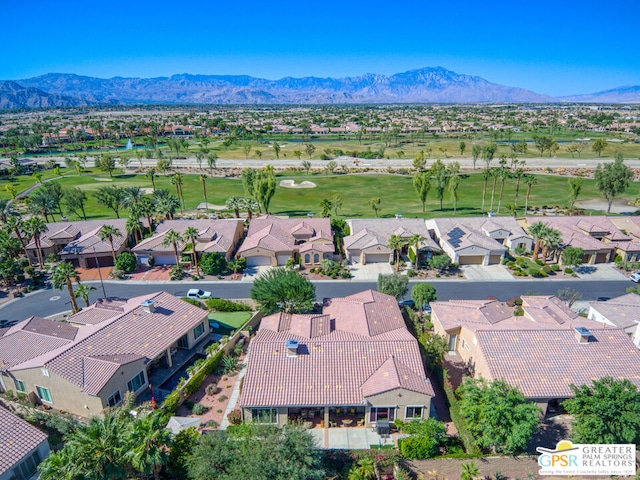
502, 174
442, 178
240, 204
397, 243
546, 238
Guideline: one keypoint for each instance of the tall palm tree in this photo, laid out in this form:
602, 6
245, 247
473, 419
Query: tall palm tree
177, 181
7, 210
251, 205
173, 238
107, 232
454, 183
145, 208
486, 174
503, 174
151, 173
134, 227
203, 180
35, 227
61, 276
235, 204
530, 180
132, 196
537, 230
494, 175
519, 173
192, 234
551, 239
396, 243
148, 439
82, 291
17, 226
414, 242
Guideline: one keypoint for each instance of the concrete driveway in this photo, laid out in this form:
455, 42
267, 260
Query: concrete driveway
250, 273
369, 272
601, 271
493, 273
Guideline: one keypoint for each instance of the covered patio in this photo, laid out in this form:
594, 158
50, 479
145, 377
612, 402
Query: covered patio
328, 417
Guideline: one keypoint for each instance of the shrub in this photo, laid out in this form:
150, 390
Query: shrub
194, 301
176, 273
546, 268
222, 398
126, 262
235, 417
198, 409
568, 271
411, 273
212, 424
520, 251
221, 305
212, 389
417, 447
213, 263
539, 262
555, 268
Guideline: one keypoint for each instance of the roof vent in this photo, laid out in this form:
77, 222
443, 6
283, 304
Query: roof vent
583, 335
398, 216
292, 348
148, 306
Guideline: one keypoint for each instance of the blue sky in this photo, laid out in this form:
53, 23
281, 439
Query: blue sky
554, 47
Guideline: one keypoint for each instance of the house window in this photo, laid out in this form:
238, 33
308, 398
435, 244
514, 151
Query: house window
198, 331
27, 468
136, 382
264, 415
413, 413
45, 372
44, 394
114, 399
382, 413
316, 258
20, 386
307, 258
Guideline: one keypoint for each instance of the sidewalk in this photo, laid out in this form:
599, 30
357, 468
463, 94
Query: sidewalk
235, 395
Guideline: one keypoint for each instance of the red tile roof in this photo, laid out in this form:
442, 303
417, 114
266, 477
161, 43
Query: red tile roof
17, 439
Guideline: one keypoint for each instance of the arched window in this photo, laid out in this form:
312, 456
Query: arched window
316, 258
307, 258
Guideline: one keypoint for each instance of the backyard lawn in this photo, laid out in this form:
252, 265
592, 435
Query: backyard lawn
229, 320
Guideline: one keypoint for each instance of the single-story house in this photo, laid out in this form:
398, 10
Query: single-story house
102, 352
271, 241
356, 359
621, 312
22, 447
479, 241
369, 239
220, 235
630, 227
542, 352
79, 242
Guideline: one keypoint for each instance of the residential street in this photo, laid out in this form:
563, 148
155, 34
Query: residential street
49, 302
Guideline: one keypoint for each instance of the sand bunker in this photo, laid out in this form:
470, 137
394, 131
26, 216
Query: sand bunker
293, 184
102, 179
211, 206
618, 206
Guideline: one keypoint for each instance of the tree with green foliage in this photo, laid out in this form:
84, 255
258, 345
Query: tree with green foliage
276, 149
248, 176
440, 176
374, 203
107, 233
575, 187
469, 471
419, 162
111, 197
424, 438
182, 445
363, 469
599, 145
607, 411
393, 284
151, 173
173, 239
396, 243
497, 415
422, 294
476, 151
530, 180
106, 163
488, 152
325, 207
264, 187
147, 438
309, 148
422, 185
192, 234
126, 262
213, 263
612, 179
212, 158
336, 203
74, 200
462, 146
440, 262
34, 228
572, 256
83, 291
61, 277
454, 183
283, 290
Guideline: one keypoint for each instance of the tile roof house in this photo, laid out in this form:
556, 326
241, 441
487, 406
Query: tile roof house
630, 227
79, 242
105, 350
356, 356
621, 312
22, 447
271, 241
369, 238
214, 236
542, 352
479, 241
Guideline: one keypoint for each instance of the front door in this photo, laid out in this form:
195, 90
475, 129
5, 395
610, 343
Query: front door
453, 340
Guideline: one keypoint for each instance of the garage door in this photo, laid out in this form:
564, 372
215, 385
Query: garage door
282, 259
258, 261
494, 259
164, 259
377, 257
601, 257
103, 261
471, 260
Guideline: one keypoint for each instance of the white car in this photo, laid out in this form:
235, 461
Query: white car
198, 294
635, 277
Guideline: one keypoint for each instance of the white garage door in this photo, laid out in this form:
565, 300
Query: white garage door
165, 259
258, 261
282, 259
377, 257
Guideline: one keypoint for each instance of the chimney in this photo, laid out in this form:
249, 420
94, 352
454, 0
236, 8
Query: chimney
292, 348
583, 335
398, 216
148, 306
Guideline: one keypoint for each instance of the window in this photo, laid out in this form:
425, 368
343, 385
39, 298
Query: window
45, 372
316, 258
20, 385
44, 394
382, 413
264, 415
307, 258
114, 399
413, 413
199, 330
27, 468
136, 382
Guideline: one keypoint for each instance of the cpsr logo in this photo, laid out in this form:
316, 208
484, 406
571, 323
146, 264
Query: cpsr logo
585, 459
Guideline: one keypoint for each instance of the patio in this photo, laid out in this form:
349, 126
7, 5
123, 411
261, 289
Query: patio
349, 438
338, 417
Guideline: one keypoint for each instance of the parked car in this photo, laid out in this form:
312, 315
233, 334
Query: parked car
406, 303
198, 294
635, 277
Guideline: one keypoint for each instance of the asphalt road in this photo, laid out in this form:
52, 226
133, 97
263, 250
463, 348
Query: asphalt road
49, 302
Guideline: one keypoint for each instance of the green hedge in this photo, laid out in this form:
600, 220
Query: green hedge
172, 401
222, 305
417, 447
454, 409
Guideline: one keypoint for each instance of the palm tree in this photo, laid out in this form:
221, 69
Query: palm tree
486, 174
503, 174
396, 243
530, 180
519, 173
166, 204
82, 291
551, 239
134, 227
17, 226
537, 230
203, 179
148, 439
177, 181
35, 227
250, 205
454, 183
414, 241
494, 174
470, 471
173, 238
107, 232
152, 175
132, 196
235, 204
6, 210
61, 276
192, 234
364, 470
211, 161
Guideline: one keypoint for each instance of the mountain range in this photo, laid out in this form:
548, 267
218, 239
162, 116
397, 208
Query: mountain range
426, 85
